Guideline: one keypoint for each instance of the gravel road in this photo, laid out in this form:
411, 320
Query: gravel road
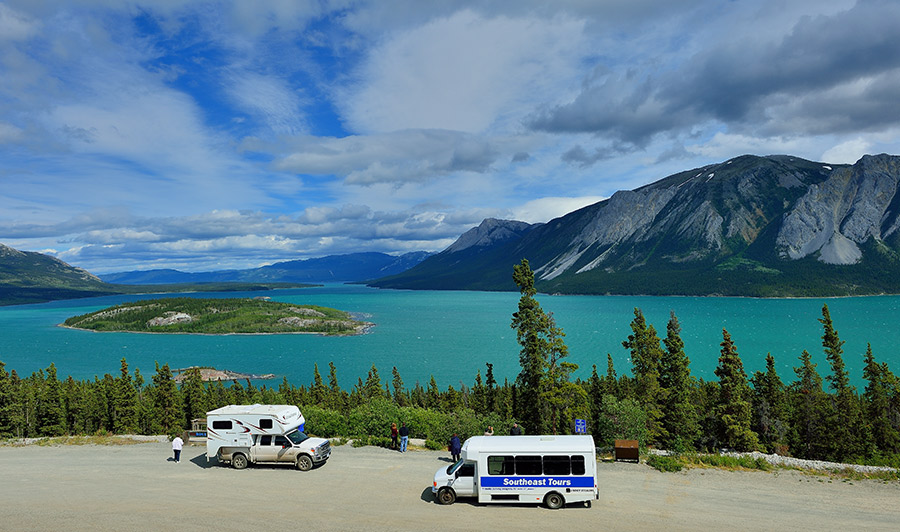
138, 487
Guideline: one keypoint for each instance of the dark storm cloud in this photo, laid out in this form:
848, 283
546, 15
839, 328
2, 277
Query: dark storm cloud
829, 74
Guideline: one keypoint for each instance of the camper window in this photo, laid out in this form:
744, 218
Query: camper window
222, 425
265, 423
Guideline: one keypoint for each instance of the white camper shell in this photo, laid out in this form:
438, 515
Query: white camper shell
553, 470
245, 434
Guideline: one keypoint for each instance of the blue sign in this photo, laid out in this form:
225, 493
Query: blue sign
580, 426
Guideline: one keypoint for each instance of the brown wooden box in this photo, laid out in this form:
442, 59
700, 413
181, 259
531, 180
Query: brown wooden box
627, 450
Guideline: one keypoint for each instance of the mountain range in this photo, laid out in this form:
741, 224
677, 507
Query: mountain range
352, 267
774, 226
770, 226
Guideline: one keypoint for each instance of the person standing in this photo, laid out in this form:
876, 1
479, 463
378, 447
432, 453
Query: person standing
404, 437
394, 433
489, 431
177, 444
455, 448
516, 430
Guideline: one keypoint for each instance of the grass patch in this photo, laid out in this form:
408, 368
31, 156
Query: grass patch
666, 464
728, 462
95, 439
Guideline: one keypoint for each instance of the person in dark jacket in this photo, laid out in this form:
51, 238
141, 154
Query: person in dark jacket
404, 437
455, 448
516, 430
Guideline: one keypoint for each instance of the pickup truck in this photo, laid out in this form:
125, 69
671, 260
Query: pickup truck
295, 448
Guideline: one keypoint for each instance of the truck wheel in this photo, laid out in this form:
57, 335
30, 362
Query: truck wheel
304, 463
554, 501
446, 496
239, 461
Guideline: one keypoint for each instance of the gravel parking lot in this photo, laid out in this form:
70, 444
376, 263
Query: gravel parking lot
138, 487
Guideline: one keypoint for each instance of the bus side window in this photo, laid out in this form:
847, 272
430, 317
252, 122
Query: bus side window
557, 465
466, 470
577, 465
528, 465
501, 465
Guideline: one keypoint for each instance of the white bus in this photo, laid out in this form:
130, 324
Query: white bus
553, 470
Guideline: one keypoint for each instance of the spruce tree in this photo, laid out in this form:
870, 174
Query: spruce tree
399, 394
540, 339
319, 392
6, 403
809, 406
125, 408
490, 391
646, 353
679, 418
733, 407
845, 430
877, 395
51, 413
770, 420
166, 401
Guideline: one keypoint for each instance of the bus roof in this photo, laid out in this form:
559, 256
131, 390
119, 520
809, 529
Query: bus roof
528, 444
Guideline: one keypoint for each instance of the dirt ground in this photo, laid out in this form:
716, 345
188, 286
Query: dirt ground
139, 487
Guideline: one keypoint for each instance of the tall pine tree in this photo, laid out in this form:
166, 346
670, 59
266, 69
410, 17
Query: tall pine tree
646, 353
733, 408
679, 418
845, 429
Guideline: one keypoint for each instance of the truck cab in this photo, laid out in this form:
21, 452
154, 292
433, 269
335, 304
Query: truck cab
294, 448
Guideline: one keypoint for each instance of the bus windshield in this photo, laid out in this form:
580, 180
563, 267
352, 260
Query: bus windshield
297, 436
453, 467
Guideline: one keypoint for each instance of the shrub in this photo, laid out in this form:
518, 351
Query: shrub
666, 464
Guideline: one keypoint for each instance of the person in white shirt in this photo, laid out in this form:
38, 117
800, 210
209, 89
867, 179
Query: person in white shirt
177, 444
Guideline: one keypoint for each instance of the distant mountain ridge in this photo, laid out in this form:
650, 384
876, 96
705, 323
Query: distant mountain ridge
754, 226
352, 267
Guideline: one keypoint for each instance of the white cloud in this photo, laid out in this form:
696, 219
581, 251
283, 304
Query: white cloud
847, 152
463, 72
546, 209
15, 26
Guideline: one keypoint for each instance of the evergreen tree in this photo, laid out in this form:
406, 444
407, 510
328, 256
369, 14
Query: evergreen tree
192, 394
596, 393
125, 408
733, 408
166, 401
51, 412
478, 395
809, 411
6, 403
319, 391
397, 383
490, 389
609, 382
845, 430
432, 395
542, 346
372, 387
770, 420
646, 353
877, 394
679, 418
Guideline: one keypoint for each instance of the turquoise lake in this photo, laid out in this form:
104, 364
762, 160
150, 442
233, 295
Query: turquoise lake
451, 335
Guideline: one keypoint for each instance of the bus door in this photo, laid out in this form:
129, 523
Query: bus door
464, 483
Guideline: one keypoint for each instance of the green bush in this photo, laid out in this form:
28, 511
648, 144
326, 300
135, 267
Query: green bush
376, 441
323, 422
666, 464
435, 445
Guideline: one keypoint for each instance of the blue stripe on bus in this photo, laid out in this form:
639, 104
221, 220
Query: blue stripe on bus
537, 482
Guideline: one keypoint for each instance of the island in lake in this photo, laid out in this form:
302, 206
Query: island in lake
219, 316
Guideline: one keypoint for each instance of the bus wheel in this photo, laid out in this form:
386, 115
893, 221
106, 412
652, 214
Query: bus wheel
554, 500
446, 496
304, 463
239, 461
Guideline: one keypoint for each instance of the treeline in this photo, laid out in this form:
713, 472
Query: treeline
660, 404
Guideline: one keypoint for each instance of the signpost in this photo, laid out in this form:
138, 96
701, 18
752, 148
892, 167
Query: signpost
580, 426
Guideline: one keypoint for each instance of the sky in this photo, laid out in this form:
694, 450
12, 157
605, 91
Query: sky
215, 135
